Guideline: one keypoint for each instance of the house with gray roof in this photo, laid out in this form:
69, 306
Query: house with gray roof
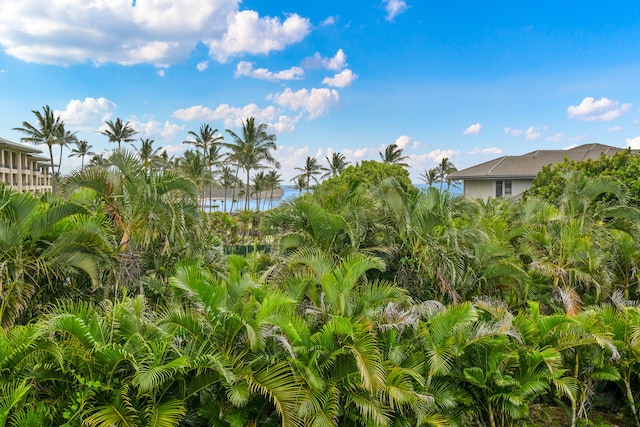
510, 176
22, 168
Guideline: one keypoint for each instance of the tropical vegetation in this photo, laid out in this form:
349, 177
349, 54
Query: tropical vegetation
363, 302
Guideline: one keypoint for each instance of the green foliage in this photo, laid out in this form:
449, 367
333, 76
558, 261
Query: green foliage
369, 173
623, 166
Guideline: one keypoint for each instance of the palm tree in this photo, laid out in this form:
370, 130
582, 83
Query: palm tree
119, 132
259, 185
207, 141
273, 180
42, 246
430, 176
147, 154
194, 167
393, 154
309, 171
251, 150
227, 179
445, 169
148, 209
48, 130
337, 163
83, 148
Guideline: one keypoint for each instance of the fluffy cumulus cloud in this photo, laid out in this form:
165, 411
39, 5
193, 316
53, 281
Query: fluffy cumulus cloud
603, 109
335, 63
489, 150
202, 66
86, 115
403, 141
231, 116
342, 79
473, 129
531, 133
394, 8
159, 32
633, 143
556, 137
248, 33
153, 129
245, 68
314, 102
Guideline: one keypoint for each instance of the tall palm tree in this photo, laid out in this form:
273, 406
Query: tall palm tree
259, 185
446, 168
83, 148
430, 176
309, 171
148, 155
149, 210
227, 179
208, 140
194, 167
251, 150
48, 130
337, 163
273, 179
119, 132
393, 154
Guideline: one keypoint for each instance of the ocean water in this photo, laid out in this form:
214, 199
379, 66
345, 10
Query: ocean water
289, 193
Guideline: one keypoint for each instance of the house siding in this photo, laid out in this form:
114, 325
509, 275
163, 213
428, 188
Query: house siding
485, 189
480, 189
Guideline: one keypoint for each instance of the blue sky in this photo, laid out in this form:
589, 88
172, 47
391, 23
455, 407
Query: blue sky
466, 80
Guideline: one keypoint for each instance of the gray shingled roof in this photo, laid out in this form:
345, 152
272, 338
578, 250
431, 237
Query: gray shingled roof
528, 165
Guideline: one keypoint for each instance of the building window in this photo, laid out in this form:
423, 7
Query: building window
498, 188
507, 188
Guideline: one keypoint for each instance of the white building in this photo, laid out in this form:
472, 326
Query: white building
22, 168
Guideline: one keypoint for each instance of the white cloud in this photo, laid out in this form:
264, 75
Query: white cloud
156, 130
315, 102
162, 73
285, 124
489, 150
329, 20
615, 129
86, 115
245, 68
342, 79
634, 143
357, 154
248, 33
394, 8
417, 160
530, 134
402, 141
202, 65
603, 109
336, 63
474, 129
160, 32
556, 137
569, 147
231, 116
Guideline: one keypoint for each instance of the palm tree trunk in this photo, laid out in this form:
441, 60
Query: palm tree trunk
627, 383
247, 193
54, 179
